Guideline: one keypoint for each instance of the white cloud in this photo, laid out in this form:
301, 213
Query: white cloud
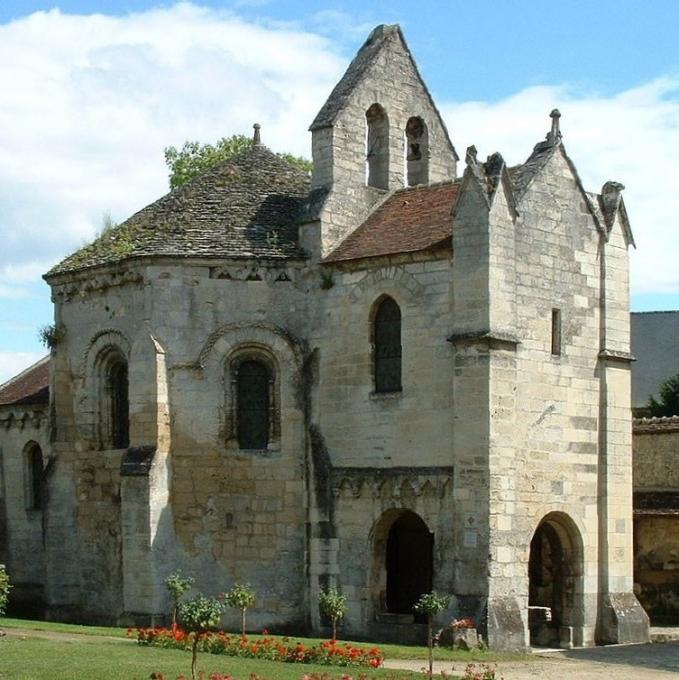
12, 363
90, 102
632, 137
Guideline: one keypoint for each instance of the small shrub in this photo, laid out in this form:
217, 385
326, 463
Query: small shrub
5, 587
242, 597
333, 605
198, 615
50, 336
431, 604
177, 584
327, 279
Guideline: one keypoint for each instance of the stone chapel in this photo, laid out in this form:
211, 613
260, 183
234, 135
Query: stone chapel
393, 376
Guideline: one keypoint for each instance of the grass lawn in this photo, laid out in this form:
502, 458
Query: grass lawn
93, 658
390, 651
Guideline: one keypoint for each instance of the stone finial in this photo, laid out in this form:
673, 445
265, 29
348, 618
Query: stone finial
611, 193
554, 135
470, 156
612, 189
257, 139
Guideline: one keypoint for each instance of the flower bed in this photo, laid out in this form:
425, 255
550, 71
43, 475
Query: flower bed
329, 652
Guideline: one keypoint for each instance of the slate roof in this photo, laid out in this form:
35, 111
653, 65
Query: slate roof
29, 387
522, 175
654, 341
248, 206
353, 75
409, 220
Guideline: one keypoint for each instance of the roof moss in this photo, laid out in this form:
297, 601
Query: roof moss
248, 206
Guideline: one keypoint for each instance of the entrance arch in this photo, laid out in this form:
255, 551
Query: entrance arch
403, 562
555, 583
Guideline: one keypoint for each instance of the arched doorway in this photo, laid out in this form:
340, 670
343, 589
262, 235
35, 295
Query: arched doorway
555, 590
403, 560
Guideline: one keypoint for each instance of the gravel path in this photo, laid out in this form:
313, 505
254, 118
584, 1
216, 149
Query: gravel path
621, 662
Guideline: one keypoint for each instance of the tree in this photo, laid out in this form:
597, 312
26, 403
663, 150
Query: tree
334, 606
431, 604
177, 584
198, 615
669, 399
241, 597
195, 158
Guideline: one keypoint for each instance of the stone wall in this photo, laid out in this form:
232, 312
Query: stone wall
656, 517
22, 527
221, 514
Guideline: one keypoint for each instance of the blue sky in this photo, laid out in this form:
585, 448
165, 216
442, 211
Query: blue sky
93, 91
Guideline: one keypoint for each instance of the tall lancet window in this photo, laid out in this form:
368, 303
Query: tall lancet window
417, 151
377, 147
253, 405
387, 346
119, 404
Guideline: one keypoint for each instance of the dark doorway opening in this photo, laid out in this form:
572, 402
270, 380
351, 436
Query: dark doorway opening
409, 562
555, 607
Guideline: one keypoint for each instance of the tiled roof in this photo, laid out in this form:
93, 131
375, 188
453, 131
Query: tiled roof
29, 387
522, 175
408, 221
353, 75
245, 207
655, 425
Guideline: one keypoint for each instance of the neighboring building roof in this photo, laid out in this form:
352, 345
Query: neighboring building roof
409, 220
247, 206
29, 387
655, 425
655, 345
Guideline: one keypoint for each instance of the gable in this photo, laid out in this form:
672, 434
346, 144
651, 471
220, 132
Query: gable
383, 58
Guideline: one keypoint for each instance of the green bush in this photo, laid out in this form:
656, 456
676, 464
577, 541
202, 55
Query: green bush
198, 615
177, 584
5, 587
242, 597
333, 605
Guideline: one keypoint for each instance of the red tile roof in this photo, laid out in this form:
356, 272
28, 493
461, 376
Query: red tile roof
410, 220
29, 387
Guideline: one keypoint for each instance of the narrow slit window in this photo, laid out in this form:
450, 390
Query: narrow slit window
556, 332
34, 468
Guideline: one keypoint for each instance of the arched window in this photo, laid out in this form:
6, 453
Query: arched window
377, 147
119, 404
417, 151
33, 466
253, 399
387, 346
114, 400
